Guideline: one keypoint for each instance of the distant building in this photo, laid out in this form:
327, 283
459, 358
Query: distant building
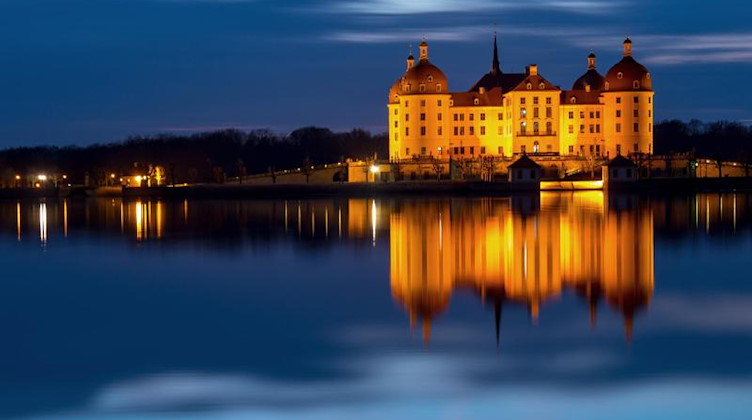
505, 114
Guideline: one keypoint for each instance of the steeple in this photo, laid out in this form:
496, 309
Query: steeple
495, 66
424, 51
627, 47
410, 59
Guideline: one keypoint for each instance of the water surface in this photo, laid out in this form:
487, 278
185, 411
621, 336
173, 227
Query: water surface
548, 306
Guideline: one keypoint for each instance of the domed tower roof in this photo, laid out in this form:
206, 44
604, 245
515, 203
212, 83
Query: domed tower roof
628, 74
591, 78
394, 91
424, 77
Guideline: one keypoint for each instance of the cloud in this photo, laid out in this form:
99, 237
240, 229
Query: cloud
412, 7
709, 314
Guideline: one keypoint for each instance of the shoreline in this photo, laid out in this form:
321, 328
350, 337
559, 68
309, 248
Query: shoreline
655, 186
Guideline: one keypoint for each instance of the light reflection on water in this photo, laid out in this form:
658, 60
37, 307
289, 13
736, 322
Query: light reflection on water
544, 306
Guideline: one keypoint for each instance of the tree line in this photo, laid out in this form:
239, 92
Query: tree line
212, 156
202, 157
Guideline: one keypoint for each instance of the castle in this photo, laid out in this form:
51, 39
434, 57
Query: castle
508, 114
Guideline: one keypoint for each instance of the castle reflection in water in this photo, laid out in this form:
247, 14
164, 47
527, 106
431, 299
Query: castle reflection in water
521, 250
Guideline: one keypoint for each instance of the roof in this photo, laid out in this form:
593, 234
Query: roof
620, 162
524, 162
591, 78
424, 73
505, 81
537, 82
492, 97
622, 75
580, 97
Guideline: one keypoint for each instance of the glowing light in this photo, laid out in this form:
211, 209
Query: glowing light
43, 223
18, 177
374, 218
138, 179
42, 177
374, 169
65, 176
112, 176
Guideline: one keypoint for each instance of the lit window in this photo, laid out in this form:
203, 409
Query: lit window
573, 100
523, 112
529, 86
536, 147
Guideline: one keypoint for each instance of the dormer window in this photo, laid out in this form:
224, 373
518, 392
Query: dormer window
438, 87
574, 100
482, 90
636, 84
529, 86
430, 78
476, 101
619, 75
648, 76
606, 86
408, 87
542, 85
422, 87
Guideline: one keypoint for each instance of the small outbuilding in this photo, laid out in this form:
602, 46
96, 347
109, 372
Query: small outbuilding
620, 170
524, 171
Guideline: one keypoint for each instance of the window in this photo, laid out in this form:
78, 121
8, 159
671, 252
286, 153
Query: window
522, 148
636, 100
522, 101
618, 99
471, 117
598, 148
456, 150
422, 131
407, 151
438, 116
571, 115
529, 86
500, 130
438, 87
407, 117
548, 101
472, 130
582, 114
618, 127
598, 128
636, 113
462, 131
636, 127
430, 78
597, 114
483, 130
592, 128
438, 102
455, 117
592, 114
500, 116
483, 150
523, 113
549, 112
618, 149
571, 129
619, 75
523, 128
439, 131
476, 101
549, 128
536, 147
396, 124
573, 100
650, 113
571, 150
636, 84
536, 128
650, 128
422, 88
650, 100
542, 85
618, 113
422, 150
535, 112
482, 116
472, 150
395, 111
407, 131
422, 116
422, 103
535, 100
462, 150
501, 150
636, 147
582, 128
462, 117
456, 131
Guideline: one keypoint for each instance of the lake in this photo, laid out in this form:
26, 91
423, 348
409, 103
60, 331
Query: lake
547, 306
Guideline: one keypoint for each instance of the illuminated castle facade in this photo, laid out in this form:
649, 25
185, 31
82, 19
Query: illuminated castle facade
505, 114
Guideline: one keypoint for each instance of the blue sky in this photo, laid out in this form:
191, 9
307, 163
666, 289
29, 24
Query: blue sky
83, 71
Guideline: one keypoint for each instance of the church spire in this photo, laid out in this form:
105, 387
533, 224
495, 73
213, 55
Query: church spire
495, 66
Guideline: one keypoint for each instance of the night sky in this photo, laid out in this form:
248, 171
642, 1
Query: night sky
83, 71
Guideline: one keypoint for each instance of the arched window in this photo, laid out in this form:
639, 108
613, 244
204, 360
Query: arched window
536, 127
430, 78
574, 100
636, 84
476, 101
542, 85
422, 87
523, 128
536, 147
549, 128
529, 86
438, 87
619, 75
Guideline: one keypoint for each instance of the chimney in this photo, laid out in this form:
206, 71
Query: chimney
532, 70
